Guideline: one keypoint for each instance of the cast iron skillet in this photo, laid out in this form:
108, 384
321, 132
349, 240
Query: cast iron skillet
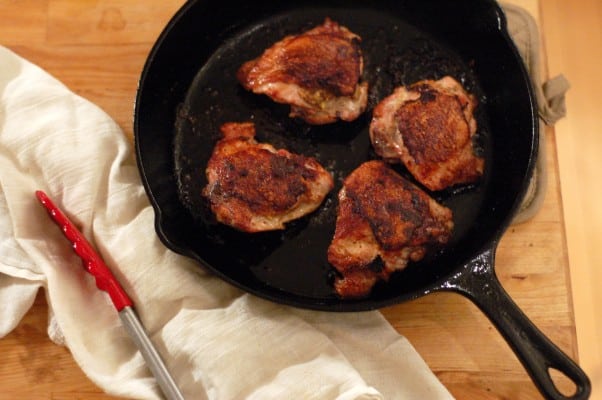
188, 88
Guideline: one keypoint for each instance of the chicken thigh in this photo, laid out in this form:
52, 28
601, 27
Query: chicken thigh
429, 126
254, 187
317, 73
383, 222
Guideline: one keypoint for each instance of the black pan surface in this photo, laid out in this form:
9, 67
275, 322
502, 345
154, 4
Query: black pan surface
188, 89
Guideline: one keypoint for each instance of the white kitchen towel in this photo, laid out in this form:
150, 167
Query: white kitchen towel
218, 342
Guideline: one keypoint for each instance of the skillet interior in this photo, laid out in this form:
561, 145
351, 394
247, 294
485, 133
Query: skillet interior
188, 89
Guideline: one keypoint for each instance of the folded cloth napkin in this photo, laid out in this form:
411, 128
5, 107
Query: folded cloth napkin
218, 342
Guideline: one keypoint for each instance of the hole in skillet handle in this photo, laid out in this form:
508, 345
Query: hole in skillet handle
541, 358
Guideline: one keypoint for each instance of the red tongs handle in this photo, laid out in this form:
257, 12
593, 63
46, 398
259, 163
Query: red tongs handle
92, 261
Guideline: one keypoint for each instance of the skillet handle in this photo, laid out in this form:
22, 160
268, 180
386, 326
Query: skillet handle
535, 351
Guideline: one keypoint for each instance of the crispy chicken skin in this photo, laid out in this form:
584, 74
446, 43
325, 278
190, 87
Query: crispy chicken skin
429, 127
254, 187
383, 222
316, 72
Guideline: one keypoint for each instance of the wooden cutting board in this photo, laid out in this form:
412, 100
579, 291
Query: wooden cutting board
98, 48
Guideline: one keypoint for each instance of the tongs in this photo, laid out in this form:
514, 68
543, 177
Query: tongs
105, 281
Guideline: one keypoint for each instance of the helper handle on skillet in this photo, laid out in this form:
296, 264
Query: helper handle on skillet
478, 282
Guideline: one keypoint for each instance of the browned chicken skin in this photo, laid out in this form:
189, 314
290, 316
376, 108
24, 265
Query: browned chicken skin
254, 187
316, 72
383, 222
429, 127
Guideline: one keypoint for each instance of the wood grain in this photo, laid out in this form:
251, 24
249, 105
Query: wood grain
574, 48
98, 48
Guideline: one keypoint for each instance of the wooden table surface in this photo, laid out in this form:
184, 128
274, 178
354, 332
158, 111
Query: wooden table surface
97, 48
